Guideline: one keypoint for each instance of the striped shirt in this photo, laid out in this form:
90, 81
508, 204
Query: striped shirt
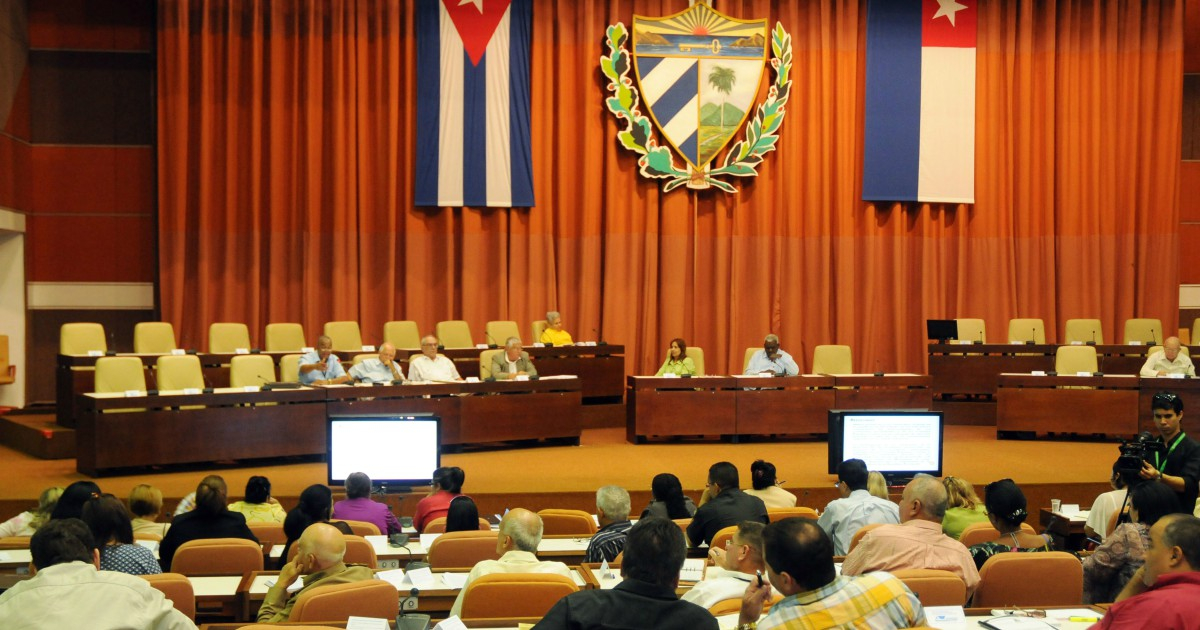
608, 542
874, 600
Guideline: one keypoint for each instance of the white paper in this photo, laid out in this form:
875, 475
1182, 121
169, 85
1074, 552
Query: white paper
1076, 343
521, 377
395, 577
250, 388
472, 379
1083, 373
1176, 375
295, 586
421, 578
5, 556
481, 346
670, 375
539, 345
942, 614
366, 623
693, 570
455, 581
453, 623
1067, 613
1038, 372
152, 545
368, 348
307, 349
427, 539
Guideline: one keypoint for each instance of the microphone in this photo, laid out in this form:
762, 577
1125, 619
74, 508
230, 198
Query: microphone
878, 370
980, 336
1093, 341
491, 342
1032, 337
1153, 339
599, 340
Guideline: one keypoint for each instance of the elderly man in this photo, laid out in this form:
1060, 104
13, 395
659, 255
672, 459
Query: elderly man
857, 507
319, 560
69, 591
723, 504
513, 362
734, 567
612, 510
1169, 360
917, 542
322, 366
772, 360
520, 535
645, 598
554, 335
800, 566
431, 366
1165, 592
1179, 466
381, 370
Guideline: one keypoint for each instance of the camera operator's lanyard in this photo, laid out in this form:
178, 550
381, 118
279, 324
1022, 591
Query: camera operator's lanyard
1160, 465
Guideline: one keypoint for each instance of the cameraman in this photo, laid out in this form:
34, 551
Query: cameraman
1179, 467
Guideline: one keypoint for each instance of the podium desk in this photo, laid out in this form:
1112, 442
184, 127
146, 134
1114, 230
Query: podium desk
1067, 404
1188, 390
787, 405
600, 368
885, 391
701, 405
974, 369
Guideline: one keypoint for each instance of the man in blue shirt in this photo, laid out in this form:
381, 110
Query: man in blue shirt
322, 366
381, 370
772, 360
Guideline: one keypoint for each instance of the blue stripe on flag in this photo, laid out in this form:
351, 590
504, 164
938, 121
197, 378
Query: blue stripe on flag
425, 181
678, 96
520, 130
646, 65
475, 132
691, 148
892, 118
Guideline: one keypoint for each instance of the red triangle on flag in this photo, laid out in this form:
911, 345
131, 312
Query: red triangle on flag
476, 27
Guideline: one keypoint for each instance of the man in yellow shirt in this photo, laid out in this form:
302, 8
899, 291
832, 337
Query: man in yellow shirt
554, 335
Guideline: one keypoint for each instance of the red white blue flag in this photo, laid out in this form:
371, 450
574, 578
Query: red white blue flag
473, 99
919, 124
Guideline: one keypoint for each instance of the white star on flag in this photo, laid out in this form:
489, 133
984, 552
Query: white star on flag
479, 5
946, 8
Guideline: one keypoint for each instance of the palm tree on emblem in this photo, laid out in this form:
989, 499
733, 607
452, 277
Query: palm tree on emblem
722, 80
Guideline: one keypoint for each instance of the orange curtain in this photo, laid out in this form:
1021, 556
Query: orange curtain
285, 187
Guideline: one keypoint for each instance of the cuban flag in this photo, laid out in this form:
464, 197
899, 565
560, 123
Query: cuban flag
473, 99
919, 127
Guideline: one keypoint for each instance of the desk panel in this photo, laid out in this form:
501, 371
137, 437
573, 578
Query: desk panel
886, 391
782, 406
1068, 404
679, 406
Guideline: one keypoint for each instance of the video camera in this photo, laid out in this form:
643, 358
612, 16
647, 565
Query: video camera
1137, 450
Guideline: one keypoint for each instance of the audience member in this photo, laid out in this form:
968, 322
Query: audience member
612, 510
1006, 510
772, 360
766, 486
259, 506
25, 523
1179, 467
917, 542
677, 361
1109, 502
112, 530
431, 366
1165, 591
553, 334
210, 519
447, 483
358, 505
1110, 567
964, 509
67, 590
877, 485
70, 502
845, 516
145, 503
723, 504
314, 506
667, 499
462, 515
645, 598
799, 557
520, 535
734, 566
319, 560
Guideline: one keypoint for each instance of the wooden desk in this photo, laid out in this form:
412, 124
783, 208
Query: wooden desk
1068, 533
600, 368
702, 405
1041, 404
783, 406
1188, 390
886, 391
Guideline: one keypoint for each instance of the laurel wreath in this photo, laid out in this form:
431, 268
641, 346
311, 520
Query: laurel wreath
657, 161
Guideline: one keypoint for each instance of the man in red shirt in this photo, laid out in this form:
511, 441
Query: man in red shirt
1167, 587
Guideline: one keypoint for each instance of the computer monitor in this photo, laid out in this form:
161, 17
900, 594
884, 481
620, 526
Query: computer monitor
392, 449
897, 443
941, 329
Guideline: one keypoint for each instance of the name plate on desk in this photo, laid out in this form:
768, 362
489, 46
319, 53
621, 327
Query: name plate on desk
95, 353
1177, 376
1082, 373
368, 348
539, 345
241, 351
1076, 343
307, 349
178, 352
250, 388
133, 393
191, 391
1038, 373
481, 346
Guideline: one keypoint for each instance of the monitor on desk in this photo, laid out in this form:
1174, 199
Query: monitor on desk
898, 443
392, 449
941, 329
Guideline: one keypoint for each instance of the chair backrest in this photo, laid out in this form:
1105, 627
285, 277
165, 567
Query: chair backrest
358, 358
177, 588
228, 337
359, 551
567, 523
858, 535
284, 337
153, 337
696, 354
121, 374
438, 525
1027, 329
337, 602
289, 368
498, 332
1083, 331
1072, 359
458, 550
455, 334
778, 514
217, 556
746, 359
174, 372
972, 329
268, 532
402, 334
1195, 330
683, 524
934, 587
1045, 578
81, 338
831, 359
251, 369
363, 528
6, 375
500, 595
485, 362
1144, 330
983, 531
346, 335
537, 328
1182, 350
722, 536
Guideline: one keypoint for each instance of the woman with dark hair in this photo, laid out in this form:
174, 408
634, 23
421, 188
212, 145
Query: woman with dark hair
112, 528
463, 515
70, 504
259, 506
447, 483
314, 507
26, 523
762, 477
668, 500
678, 362
211, 518
358, 505
1106, 571
1006, 510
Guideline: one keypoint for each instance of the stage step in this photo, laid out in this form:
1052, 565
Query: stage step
37, 434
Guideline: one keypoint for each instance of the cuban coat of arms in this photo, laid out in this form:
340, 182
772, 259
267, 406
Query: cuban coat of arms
698, 74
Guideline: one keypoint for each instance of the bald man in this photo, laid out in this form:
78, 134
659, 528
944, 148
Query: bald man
1168, 361
321, 366
319, 560
381, 370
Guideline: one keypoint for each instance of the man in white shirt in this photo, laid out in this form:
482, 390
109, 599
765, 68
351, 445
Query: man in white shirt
734, 567
431, 366
845, 516
1169, 360
381, 370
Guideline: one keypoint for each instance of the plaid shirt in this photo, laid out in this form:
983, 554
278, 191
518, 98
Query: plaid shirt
874, 600
608, 542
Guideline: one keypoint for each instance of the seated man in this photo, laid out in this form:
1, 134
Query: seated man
734, 568
381, 370
319, 560
554, 335
520, 535
612, 510
1165, 592
69, 591
723, 504
917, 542
513, 362
857, 507
1169, 360
322, 366
431, 366
800, 565
772, 360
654, 554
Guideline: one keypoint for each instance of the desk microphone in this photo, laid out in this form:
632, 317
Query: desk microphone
1032, 336
1093, 342
599, 340
491, 341
878, 371
1153, 339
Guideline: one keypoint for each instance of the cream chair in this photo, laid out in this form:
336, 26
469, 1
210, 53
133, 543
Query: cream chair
556, 522
289, 368
228, 337
251, 369
934, 587
217, 556
284, 337
1195, 331
1143, 330
696, 354
345, 335
176, 588
338, 602
153, 338
1073, 359
972, 330
176, 372
746, 360
455, 334
358, 358
831, 359
485, 362
537, 327
1083, 331
1047, 578
1027, 329
498, 332
8, 371
513, 595
121, 374
402, 334
81, 338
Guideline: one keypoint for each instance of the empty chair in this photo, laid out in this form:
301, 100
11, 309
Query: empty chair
337, 602
461, 550
970, 329
251, 369
696, 354
832, 359
567, 523
983, 531
778, 514
1074, 359
1195, 334
508, 595
153, 338
121, 374
934, 587
289, 368
217, 556
498, 332
81, 338
485, 362
176, 372
1027, 329
284, 337
1048, 578
723, 536
345, 335
455, 334
438, 525
1083, 331
402, 334
537, 328
1143, 330
177, 588
8, 371
228, 337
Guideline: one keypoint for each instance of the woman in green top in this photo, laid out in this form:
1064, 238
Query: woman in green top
678, 362
964, 508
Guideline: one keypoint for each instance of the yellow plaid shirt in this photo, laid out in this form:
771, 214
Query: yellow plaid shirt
874, 600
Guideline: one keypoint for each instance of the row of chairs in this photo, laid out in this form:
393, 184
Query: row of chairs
1141, 330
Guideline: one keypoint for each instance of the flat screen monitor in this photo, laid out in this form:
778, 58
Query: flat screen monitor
899, 443
392, 449
941, 329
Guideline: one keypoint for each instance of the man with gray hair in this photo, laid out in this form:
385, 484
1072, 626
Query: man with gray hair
772, 360
520, 535
431, 366
513, 362
917, 542
612, 510
554, 335
319, 560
